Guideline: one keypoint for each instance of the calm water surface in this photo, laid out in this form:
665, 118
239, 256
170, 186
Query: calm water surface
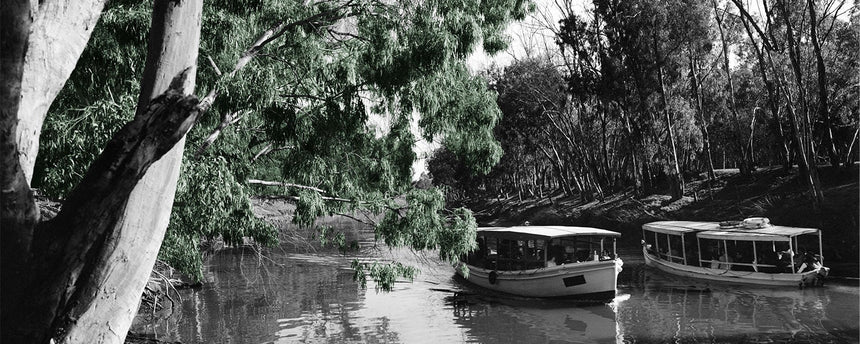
292, 297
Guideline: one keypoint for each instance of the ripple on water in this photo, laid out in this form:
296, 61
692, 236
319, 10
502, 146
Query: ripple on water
312, 298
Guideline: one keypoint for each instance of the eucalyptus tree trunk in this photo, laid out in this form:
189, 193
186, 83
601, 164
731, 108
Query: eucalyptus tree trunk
676, 179
59, 34
791, 142
173, 41
744, 161
697, 93
78, 278
823, 101
634, 157
803, 127
772, 96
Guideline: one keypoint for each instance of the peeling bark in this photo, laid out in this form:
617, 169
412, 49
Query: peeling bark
59, 34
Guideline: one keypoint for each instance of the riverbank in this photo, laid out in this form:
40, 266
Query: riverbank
769, 192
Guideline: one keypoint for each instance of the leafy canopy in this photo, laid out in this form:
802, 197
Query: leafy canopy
330, 104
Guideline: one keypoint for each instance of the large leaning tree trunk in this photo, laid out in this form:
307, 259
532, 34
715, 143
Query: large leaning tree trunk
78, 278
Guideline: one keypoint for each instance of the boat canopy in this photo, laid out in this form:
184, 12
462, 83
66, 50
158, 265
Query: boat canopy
680, 227
773, 233
544, 232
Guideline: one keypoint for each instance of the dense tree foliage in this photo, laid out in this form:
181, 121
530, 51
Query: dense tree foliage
301, 113
649, 93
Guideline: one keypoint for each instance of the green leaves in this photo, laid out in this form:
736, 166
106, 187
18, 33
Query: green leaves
385, 275
210, 203
332, 103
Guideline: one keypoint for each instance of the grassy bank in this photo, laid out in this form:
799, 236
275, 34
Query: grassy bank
769, 192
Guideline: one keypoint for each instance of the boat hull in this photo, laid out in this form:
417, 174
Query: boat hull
588, 280
731, 276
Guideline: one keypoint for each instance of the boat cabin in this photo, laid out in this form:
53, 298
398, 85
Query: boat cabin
752, 245
534, 247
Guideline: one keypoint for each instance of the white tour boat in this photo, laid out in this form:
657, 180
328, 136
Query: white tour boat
751, 251
545, 261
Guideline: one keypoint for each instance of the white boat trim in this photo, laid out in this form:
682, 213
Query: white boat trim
596, 280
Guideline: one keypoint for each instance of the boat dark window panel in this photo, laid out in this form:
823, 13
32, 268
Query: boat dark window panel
676, 249
711, 252
650, 242
574, 280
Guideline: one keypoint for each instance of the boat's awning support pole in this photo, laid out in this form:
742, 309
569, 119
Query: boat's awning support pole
545, 251
684, 249
755, 258
791, 253
669, 247
820, 249
614, 250
699, 246
726, 252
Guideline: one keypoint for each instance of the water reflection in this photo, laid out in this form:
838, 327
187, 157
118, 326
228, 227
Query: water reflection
686, 310
290, 297
533, 320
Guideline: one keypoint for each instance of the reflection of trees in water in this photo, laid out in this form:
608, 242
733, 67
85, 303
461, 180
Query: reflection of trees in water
730, 313
250, 300
503, 320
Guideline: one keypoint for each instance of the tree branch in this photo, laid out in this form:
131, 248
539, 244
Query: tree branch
275, 31
269, 149
746, 14
227, 119
285, 185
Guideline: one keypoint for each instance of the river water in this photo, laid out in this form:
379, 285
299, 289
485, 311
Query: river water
293, 295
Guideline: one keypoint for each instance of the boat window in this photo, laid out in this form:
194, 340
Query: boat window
742, 255
691, 249
650, 242
492, 245
581, 248
711, 251
663, 246
510, 254
767, 256
676, 249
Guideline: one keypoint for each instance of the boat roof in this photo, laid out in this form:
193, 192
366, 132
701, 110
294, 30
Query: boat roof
712, 230
680, 227
546, 232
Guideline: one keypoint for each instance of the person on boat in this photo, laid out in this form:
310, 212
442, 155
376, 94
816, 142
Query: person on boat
552, 262
784, 260
725, 259
809, 261
556, 256
713, 256
605, 255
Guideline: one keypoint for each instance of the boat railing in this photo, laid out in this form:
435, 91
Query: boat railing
666, 256
722, 265
514, 264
